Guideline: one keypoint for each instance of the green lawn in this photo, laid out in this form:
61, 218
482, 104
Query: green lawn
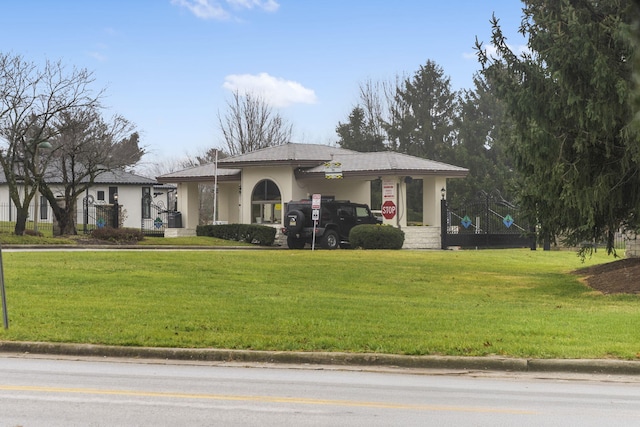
517, 303
8, 238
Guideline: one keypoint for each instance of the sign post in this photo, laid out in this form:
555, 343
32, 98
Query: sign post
316, 201
389, 208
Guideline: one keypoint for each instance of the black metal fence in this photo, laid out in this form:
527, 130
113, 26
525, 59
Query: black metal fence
96, 215
156, 217
488, 221
91, 215
44, 223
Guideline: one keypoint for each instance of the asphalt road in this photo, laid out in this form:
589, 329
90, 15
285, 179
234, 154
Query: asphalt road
71, 391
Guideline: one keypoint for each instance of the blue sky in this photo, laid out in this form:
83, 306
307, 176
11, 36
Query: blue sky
169, 66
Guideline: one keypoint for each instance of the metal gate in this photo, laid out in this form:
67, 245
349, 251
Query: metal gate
97, 214
155, 217
488, 221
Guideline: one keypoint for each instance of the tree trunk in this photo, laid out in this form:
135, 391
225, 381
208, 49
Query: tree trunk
66, 221
66, 224
21, 220
22, 207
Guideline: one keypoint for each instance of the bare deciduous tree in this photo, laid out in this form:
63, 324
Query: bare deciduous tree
31, 101
85, 146
250, 124
376, 98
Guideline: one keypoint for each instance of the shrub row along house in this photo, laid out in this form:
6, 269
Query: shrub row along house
254, 188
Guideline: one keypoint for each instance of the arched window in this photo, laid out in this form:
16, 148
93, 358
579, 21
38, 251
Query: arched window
266, 203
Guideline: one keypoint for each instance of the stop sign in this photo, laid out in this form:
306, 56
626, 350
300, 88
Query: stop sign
388, 209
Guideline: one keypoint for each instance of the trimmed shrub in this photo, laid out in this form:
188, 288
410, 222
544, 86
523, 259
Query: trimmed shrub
257, 234
118, 235
371, 236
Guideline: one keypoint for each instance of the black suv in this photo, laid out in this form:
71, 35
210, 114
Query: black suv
336, 218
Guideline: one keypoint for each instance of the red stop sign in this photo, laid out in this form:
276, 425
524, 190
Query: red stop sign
388, 209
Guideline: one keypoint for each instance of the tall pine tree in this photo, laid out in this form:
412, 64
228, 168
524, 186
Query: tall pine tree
423, 114
480, 129
358, 134
569, 100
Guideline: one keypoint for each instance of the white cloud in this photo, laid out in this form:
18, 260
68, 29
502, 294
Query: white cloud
203, 9
268, 5
276, 91
98, 56
215, 9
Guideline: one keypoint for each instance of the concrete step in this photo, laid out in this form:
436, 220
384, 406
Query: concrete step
421, 238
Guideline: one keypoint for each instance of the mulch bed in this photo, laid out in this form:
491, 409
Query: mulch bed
616, 277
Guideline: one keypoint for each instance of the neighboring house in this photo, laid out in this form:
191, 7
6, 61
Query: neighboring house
138, 197
255, 187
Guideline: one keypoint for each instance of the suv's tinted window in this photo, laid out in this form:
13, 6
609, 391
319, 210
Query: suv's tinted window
346, 211
362, 212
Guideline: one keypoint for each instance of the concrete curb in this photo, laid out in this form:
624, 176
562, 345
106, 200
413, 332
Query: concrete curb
583, 366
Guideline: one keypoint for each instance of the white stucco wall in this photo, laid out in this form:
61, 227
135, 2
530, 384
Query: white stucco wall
189, 204
229, 202
283, 177
235, 204
431, 195
130, 200
234, 200
355, 190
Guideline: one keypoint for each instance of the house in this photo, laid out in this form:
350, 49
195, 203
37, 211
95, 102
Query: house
138, 198
255, 187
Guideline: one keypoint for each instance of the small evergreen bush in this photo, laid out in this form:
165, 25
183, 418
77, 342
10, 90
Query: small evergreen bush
118, 235
257, 234
371, 236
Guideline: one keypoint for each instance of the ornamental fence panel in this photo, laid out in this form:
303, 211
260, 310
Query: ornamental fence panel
487, 221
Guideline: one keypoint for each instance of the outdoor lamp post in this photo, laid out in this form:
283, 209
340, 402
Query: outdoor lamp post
116, 211
45, 145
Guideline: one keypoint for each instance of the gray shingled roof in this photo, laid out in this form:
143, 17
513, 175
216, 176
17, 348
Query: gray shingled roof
301, 155
386, 163
203, 173
310, 159
123, 177
53, 176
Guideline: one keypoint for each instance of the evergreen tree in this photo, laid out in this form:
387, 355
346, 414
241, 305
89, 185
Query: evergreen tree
480, 128
569, 101
422, 115
358, 135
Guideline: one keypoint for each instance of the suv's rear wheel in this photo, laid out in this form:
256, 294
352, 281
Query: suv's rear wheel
330, 240
295, 242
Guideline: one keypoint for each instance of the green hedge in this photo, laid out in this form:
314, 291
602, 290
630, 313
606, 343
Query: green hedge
370, 236
257, 234
118, 235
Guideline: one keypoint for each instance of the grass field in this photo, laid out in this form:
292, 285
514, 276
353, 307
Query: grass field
517, 303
